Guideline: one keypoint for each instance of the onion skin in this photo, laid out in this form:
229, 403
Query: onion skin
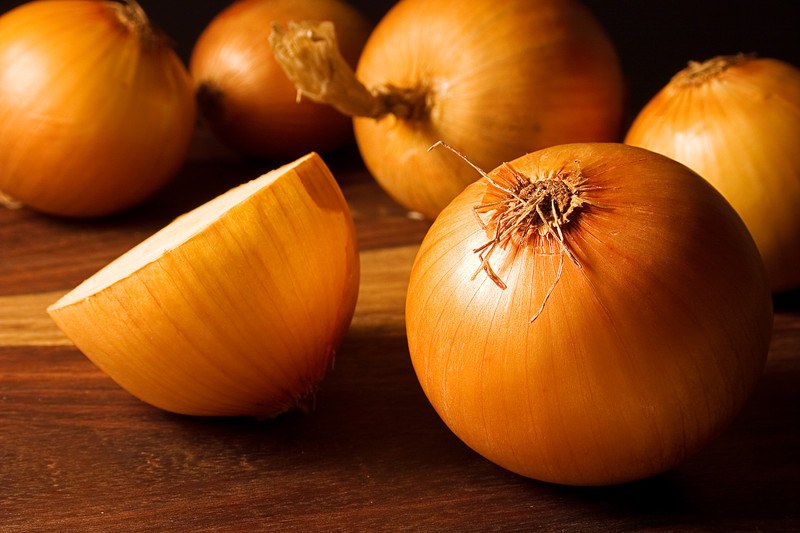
234, 309
639, 357
96, 111
499, 78
244, 95
737, 124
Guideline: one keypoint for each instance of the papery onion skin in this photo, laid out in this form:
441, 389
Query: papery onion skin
96, 110
244, 96
243, 316
735, 120
498, 79
639, 356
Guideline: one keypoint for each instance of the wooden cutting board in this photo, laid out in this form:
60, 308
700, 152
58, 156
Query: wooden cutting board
77, 453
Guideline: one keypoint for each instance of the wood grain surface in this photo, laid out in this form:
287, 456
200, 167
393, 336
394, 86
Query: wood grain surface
77, 453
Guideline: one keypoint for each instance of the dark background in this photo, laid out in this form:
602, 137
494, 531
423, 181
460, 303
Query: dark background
655, 39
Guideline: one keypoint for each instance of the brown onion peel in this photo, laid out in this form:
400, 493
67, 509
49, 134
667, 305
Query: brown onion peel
642, 354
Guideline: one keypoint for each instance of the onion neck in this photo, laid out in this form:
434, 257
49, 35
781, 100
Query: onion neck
309, 55
131, 15
699, 72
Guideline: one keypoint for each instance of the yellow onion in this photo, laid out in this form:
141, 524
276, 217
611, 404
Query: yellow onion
492, 79
96, 110
235, 308
244, 95
735, 120
604, 316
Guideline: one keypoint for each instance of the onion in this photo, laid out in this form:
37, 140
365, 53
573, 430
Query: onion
735, 120
235, 308
243, 94
604, 316
492, 79
96, 110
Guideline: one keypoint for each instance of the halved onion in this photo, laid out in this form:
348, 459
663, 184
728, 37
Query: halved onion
235, 308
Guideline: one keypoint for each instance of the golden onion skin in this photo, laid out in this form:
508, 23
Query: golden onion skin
499, 78
646, 348
235, 308
735, 120
96, 110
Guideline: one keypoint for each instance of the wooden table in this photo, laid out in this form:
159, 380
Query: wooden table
77, 453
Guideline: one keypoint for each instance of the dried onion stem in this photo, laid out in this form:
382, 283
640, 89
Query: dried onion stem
309, 54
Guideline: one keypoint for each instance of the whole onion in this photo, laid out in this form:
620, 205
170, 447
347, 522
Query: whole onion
243, 94
588, 314
493, 79
736, 121
96, 109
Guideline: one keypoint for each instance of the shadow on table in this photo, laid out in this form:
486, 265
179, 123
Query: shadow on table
374, 432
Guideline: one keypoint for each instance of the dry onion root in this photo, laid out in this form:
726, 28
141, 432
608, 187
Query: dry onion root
493, 80
96, 110
735, 120
588, 314
235, 308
